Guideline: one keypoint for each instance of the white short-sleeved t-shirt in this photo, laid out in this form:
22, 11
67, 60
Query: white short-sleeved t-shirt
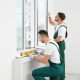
51, 49
61, 30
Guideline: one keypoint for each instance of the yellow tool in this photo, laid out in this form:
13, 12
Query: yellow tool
25, 53
31, 51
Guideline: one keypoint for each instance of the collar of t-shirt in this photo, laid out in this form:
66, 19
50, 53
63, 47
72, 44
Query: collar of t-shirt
50, 41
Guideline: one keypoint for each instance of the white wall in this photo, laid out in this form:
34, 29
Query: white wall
8, 34
7, 37
72, 11
51, 10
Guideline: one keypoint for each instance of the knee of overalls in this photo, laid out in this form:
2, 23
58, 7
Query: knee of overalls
34, 72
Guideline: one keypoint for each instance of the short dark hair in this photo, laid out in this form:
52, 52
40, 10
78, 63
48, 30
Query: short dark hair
43, 32
61, 15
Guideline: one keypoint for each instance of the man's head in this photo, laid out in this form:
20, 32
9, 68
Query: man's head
43, 36
60, 16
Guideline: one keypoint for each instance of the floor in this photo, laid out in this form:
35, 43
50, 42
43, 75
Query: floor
72, 77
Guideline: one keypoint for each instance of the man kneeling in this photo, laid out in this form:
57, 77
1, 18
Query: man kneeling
51, 55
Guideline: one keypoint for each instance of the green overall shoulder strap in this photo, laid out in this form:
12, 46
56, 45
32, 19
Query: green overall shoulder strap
66, 30
58, 50
63, 26
55, 45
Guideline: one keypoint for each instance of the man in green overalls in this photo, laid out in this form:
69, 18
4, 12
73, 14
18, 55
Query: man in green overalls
51, 55
60, 35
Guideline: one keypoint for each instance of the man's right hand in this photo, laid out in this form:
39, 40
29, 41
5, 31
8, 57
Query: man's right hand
51, 21
42, 53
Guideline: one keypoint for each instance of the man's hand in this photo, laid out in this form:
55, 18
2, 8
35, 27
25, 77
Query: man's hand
32, 56
39, 51
51, 21
42, 53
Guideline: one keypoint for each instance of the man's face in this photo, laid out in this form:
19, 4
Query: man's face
42, 38
57, 18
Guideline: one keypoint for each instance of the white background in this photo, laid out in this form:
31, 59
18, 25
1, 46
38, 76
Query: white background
7, 37
8, 34
72, 11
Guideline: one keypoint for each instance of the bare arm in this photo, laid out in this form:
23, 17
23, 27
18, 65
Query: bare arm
42, 60
58, 39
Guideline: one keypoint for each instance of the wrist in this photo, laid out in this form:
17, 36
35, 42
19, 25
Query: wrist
32, 56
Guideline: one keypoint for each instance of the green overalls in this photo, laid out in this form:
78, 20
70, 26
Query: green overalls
54, 71
62, 49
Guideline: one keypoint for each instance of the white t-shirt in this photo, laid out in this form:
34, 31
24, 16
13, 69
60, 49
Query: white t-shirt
51, 49
61, 30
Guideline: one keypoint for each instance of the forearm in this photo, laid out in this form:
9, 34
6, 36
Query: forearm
41, 60
58, 39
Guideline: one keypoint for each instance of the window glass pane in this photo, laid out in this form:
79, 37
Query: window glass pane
42, 16
19, 25
25, 24
28, 23
31, 17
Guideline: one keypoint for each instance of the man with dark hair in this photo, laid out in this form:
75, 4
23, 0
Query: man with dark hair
43, 32
61, 15
51, 55
60, 34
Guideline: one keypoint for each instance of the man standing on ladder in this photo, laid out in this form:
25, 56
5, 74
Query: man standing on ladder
60, 35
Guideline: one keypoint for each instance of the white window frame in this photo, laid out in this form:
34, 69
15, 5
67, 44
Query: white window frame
34, 40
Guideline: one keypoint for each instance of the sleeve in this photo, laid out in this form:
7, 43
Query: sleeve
61, 31
48, 49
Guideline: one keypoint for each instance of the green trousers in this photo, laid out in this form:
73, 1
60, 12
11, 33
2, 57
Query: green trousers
62, 49
62, 54
54, 71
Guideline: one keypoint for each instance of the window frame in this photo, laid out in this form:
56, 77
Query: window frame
35, 24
